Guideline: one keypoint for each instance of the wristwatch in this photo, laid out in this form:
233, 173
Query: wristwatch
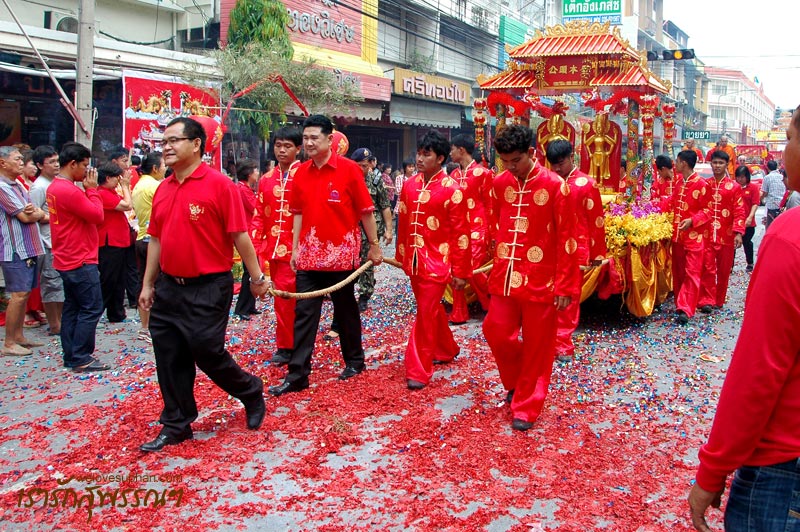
375, 242
261, 280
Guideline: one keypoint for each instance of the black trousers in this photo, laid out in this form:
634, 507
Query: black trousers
245, 303
111, 263
187, 324
306, 322
132, 283
747, 244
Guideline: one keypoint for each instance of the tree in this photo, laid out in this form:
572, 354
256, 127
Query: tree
258, 49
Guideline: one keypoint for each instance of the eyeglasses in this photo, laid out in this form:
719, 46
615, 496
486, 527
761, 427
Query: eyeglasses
173, 141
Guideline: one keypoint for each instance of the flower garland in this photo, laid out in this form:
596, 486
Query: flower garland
635, 225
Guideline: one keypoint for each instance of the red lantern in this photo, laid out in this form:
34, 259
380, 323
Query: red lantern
213, 131
647, 120
339, 143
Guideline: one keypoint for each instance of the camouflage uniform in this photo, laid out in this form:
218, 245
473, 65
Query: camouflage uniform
366, 281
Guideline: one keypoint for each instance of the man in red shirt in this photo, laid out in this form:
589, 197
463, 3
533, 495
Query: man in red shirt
196, 221
586, 206
246, 181
272, 235
433, 245
534, 273
723, 235
120, 156
690, 215
665, 183
74, 217
475, 182
329, 198
756, 430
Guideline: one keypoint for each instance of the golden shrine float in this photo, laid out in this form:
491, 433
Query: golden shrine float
592, 59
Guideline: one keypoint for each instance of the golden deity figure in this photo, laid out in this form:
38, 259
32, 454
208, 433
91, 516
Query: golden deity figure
555, 128
601, 153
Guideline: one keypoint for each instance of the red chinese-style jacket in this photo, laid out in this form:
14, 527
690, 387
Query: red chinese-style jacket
590, 227
535, 255
272, 223
726, 210
690, 200
475, 183
433, 230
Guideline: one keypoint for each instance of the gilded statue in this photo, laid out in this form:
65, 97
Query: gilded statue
600, 144
555, 128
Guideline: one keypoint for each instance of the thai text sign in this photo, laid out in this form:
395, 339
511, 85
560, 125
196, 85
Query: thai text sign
695, 134
771, 135
427, 87
327, 24
594, 10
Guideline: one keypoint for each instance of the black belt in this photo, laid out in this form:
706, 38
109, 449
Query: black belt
200, 279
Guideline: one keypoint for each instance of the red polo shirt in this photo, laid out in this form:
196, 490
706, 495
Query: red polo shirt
331, 200
74, 217
114, 231
194, 221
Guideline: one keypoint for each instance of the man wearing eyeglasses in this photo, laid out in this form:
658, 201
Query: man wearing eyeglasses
197, 218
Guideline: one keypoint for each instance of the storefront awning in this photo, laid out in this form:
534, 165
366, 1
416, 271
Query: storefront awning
99, 74
362, 111
420, 113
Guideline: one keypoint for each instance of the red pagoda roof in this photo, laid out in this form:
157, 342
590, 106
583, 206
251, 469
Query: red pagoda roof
574, 38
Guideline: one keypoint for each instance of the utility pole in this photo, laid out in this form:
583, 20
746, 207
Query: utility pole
84, 75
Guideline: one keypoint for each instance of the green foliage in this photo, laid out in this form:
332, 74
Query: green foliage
259, 47
260, 21
315, 87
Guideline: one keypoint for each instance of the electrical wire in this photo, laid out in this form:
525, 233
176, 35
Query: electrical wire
162, 41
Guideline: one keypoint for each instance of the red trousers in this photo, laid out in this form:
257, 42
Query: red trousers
525, 366
431, 339
717, 266
480, 285
567, 321
687, 267
284, 279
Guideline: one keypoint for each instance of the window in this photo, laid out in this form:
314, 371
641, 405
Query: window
720, 114
719, 89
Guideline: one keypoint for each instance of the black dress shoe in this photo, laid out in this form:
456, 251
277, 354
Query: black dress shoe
509, 396
256, 311
243, 317
521, 424
255, 411
287, 387
162, 440
706, 309
350, 371
414, 385
281, 357
362, 305
682, 318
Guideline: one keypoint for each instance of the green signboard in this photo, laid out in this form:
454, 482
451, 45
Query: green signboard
696, 134
593, 10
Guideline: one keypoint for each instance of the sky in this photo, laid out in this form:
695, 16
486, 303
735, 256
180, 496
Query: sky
758, 37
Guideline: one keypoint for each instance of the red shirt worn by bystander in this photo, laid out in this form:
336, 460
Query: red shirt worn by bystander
535, 258
115, 230
756, 419
272, 223
74, 217
248, 201
750, 196
331, 200
194, 221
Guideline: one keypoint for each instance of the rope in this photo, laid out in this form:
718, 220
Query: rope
325, 291
364, 267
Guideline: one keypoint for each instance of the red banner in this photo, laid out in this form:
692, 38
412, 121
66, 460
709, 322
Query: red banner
152, 101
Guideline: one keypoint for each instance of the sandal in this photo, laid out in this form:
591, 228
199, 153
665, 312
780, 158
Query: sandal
16, 350
31, 323
30, 343
94, 365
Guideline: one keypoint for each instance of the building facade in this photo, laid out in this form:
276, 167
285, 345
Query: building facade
738, 106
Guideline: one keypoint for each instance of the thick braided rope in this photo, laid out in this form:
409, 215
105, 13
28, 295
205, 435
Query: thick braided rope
325, 291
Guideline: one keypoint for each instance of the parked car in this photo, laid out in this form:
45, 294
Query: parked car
704, 170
